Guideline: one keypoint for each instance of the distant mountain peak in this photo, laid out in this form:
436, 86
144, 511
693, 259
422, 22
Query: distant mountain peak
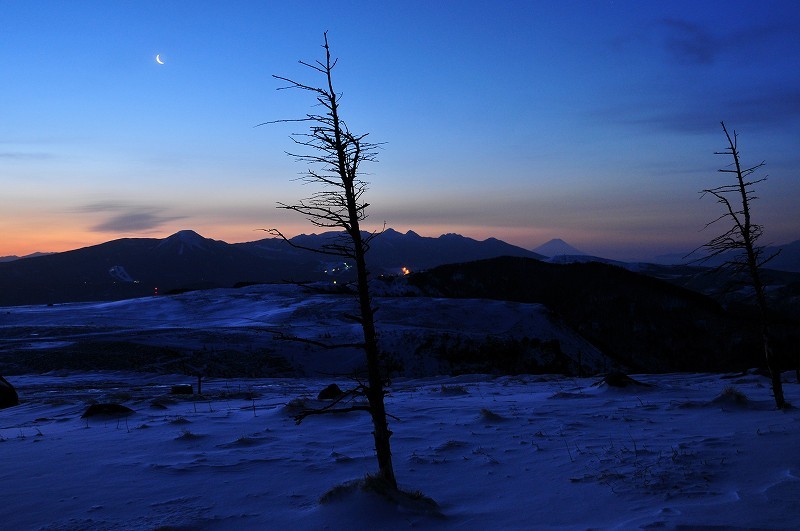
185, 239
15, 257
557, 247
186, 236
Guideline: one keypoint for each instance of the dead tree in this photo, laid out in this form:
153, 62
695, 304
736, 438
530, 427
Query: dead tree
334, 156
741, 241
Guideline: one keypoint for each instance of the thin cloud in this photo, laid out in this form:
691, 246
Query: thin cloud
133, 222
127, 217
22, 155
690, 43
778, 106
107, 206
763, 108
682, 100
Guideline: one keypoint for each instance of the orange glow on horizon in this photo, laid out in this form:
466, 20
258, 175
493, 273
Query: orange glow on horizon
52, 234
48, 240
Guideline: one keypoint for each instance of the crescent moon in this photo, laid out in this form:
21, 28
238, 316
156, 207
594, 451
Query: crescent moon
158, 59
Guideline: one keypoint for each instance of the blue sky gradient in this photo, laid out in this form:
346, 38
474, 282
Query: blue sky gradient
595, 122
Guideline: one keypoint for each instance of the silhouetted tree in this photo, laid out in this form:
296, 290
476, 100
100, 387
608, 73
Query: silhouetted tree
741, 240
334, 155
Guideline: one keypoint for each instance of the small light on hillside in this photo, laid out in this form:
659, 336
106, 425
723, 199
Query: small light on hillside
405, 270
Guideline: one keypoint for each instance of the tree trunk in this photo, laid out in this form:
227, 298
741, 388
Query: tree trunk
772, 365
748, 239
774, 370
761, 300
375, 392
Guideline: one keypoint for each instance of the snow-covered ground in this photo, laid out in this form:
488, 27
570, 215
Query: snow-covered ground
531, 452
413, 330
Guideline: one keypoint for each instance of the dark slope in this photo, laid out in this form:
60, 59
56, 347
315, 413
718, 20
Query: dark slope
132, 267
642, 322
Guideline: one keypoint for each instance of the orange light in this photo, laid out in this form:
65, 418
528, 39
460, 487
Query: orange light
405, 270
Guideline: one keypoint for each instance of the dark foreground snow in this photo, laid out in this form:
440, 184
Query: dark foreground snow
495, 453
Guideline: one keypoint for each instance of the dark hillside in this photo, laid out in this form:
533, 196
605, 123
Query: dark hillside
135, 267
640, 321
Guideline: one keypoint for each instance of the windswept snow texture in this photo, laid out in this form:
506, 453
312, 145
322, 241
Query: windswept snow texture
419, 333
495, 453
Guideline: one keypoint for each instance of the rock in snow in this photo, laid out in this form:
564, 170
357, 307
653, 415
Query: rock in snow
8, 395
107, 410
332, 392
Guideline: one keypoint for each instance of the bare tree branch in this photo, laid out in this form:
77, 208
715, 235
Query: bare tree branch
298, 418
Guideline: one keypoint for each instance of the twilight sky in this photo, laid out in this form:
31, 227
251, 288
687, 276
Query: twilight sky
592, 121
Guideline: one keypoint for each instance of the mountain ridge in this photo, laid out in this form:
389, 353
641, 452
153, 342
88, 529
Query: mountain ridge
136, 267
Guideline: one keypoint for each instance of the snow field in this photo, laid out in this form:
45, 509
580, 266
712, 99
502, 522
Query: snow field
528, 452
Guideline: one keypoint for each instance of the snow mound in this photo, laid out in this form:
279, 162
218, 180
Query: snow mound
380, 504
